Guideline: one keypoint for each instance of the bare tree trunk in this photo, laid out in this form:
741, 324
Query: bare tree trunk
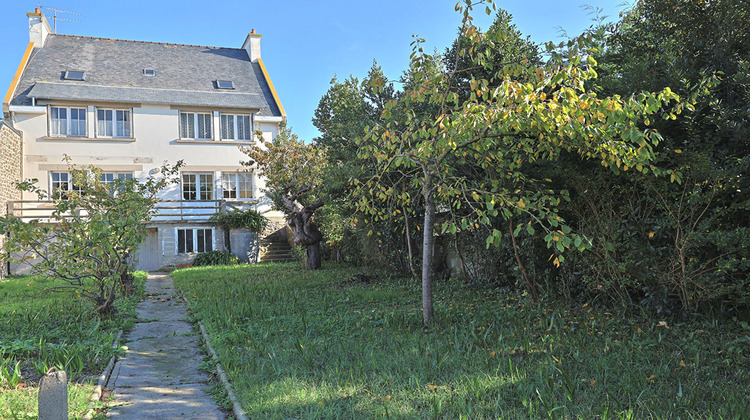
313, 256
408, 244
106, 303
530, 286
303, 226
428, 245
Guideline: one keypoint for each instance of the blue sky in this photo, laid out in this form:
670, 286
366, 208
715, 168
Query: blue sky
305, 42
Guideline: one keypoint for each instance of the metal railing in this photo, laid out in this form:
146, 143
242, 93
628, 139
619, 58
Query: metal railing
167, 211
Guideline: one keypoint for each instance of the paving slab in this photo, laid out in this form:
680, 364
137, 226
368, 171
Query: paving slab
158, 377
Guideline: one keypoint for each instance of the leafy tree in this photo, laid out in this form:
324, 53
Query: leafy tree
501, 130
293, 170
342, 116
504, 45
90, 238
658, 243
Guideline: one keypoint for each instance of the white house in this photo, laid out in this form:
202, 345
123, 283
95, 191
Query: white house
129, 106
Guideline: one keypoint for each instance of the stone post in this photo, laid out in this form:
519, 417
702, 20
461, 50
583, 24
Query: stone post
53, 396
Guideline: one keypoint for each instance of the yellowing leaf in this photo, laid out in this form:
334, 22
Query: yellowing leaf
651, 234
521, 204
682, 363
678, 151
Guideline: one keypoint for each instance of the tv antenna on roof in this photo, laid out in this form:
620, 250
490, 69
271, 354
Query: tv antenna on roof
55, 18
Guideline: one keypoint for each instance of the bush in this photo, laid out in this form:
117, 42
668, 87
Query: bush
215, 258
239, 219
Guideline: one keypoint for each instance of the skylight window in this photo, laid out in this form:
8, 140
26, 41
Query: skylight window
74, 75
225, 84
149, 72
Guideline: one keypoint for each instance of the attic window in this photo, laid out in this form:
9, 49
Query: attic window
224, 84
73, 75
149, 72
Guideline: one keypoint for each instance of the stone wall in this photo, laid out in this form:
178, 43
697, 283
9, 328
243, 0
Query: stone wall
11, 154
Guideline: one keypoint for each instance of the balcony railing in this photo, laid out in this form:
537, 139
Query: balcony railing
167, 211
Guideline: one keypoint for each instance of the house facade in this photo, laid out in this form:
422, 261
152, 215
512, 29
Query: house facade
127, 107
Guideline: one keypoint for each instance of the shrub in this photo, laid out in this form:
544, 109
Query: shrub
215, 258
238, 219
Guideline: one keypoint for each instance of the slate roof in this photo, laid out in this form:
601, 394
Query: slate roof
185, 74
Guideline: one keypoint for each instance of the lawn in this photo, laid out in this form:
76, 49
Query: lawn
300, 344
41, 329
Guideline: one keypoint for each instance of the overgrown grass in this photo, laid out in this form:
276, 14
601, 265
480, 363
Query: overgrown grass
41, 329
300, 344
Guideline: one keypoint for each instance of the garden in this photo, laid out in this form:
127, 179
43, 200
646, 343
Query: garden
340, 342
42, 329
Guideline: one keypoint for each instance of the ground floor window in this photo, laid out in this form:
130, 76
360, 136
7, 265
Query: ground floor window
194, 240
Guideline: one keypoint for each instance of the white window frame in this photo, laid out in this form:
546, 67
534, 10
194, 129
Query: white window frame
69, 181
68, 121
115, 175
194, 116
234, 178
194, 233
235, 132
114, 111
199, 186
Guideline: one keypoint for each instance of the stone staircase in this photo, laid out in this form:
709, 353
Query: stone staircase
275, 247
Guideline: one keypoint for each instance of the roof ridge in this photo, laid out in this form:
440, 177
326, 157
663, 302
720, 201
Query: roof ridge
145, 42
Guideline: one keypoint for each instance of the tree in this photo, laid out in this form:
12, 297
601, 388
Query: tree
501, 130
293, 170
674, 247
343, 113
90, 238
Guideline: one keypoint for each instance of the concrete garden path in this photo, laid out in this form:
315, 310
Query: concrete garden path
158, 378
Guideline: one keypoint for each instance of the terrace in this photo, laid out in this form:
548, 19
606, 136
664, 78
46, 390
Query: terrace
166, 211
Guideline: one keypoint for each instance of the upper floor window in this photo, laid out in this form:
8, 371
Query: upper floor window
237, 185
113, 123
195, 125
70, 122
197, 187
236, 127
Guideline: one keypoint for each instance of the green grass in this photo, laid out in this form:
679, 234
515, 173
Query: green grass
41, 329
300, 344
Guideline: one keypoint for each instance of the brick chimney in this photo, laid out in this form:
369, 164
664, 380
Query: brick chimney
39, 28
252, 45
